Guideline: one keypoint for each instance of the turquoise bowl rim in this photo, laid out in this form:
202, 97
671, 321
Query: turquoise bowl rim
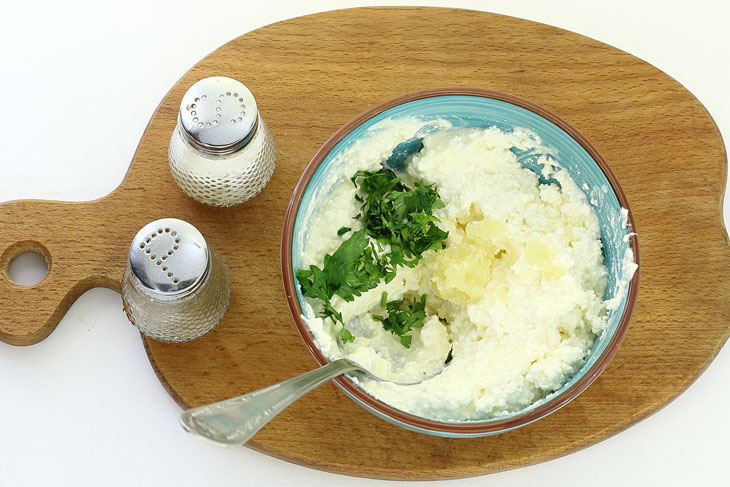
462, 428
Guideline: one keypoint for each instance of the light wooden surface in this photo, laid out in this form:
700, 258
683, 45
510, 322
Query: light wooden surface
310, 75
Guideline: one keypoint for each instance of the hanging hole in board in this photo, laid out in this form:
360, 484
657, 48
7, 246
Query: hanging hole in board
25, 263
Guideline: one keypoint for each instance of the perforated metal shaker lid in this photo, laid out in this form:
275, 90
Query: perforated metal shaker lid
218, 115
169, 257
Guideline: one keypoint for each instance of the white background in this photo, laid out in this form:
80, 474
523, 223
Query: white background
80, 79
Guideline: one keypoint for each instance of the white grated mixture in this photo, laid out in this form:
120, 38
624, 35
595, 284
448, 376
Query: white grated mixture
517, 292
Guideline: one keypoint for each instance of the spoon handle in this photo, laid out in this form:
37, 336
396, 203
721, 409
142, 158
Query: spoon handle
234, 421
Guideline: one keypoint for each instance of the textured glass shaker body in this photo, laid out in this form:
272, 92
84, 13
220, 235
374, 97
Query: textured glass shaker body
182, 297
221, 152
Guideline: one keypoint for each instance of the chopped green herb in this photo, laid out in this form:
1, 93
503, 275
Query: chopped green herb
400, 322
400, 216
383, 299
346, 336
393, 214
351, 270
449, 357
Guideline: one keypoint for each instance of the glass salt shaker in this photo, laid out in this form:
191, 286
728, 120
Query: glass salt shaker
175, 288
221, 152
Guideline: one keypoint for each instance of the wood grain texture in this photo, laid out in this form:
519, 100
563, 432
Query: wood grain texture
312, 74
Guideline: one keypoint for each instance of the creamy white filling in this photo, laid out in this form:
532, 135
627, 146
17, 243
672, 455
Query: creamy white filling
516, 294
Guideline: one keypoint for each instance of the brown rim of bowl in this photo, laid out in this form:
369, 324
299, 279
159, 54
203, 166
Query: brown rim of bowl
467, 427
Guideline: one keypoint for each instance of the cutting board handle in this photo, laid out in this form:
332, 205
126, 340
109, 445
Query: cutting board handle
80, 249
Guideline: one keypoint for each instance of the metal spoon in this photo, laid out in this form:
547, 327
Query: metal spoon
234, 421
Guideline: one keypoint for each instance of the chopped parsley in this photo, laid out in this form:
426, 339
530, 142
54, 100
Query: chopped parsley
400, 216
450, 356
398, 227
400, 322
351, 270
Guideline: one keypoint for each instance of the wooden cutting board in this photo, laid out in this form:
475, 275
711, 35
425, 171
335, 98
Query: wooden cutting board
312, 74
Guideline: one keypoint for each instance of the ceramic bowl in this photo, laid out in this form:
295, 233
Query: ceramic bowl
479, 108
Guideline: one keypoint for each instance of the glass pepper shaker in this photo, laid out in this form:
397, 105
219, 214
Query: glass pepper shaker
175, 288
221, 152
